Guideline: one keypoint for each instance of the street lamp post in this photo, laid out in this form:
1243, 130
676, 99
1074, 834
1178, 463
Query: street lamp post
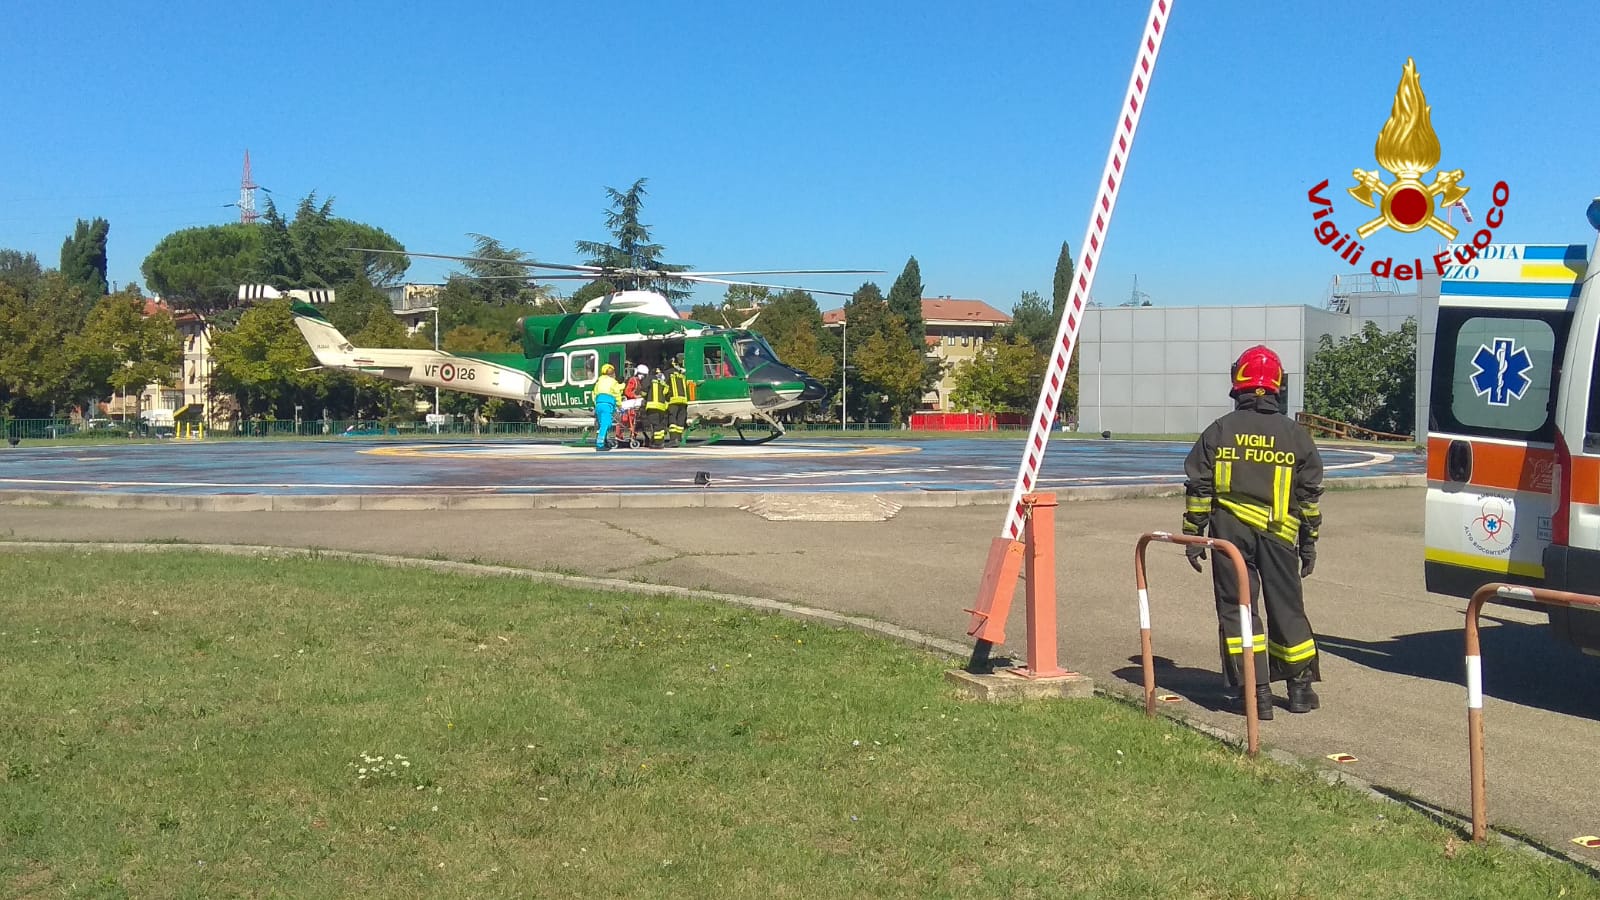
844, 375
435, 310
436, 350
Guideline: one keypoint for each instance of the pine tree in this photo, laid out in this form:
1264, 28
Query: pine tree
83, 256
1062, 288
905, 301
633, 248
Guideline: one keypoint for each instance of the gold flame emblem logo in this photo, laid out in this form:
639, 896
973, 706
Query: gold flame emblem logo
1408, 148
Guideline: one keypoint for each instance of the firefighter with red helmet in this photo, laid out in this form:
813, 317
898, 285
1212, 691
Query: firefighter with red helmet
1254, 478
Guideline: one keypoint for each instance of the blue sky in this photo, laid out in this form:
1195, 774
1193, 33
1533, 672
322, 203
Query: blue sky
827, 134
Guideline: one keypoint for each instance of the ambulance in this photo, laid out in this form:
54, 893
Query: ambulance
1514, 427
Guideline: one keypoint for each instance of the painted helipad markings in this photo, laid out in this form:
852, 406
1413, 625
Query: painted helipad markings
534, 452
521, 468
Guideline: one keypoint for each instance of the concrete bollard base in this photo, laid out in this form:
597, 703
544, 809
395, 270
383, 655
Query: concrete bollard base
1004, 685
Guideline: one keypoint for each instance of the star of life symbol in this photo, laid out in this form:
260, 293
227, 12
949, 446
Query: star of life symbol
1500, 371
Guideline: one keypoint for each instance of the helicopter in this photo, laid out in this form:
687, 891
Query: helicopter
734, 375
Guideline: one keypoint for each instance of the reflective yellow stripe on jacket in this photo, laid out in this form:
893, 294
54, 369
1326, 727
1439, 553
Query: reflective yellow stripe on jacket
1282, 487
658, 397
1260, 517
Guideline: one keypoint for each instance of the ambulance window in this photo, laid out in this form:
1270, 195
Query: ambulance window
554, 372
1591, 436
1501, 374
585, 366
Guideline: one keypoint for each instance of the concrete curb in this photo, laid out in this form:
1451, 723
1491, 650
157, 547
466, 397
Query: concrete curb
686, 499
1131, 695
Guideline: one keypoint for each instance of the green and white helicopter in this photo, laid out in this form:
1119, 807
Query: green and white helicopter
735, 376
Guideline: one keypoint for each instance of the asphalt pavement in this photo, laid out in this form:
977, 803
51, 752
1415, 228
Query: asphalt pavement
1394, 690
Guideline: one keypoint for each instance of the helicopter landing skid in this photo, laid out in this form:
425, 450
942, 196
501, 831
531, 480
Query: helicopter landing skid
775, 430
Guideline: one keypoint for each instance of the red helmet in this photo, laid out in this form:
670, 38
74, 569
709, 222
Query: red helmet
1257, 369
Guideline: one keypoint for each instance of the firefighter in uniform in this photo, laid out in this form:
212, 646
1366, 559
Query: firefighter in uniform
655, 410
1254, 478
677, 403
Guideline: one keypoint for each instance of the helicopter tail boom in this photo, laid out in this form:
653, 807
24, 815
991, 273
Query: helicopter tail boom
431, 368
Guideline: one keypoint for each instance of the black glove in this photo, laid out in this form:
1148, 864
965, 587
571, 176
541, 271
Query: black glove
1195, 552
1308, 559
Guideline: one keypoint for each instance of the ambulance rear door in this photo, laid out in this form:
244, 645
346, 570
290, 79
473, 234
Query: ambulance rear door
1572, 561
1504, 320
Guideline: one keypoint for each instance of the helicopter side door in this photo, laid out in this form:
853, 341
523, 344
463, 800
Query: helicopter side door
719, 383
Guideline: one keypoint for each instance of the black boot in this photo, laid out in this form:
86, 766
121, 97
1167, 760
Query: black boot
1302, 699
1235, 702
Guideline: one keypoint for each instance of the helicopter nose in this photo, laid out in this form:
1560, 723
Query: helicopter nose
814, 389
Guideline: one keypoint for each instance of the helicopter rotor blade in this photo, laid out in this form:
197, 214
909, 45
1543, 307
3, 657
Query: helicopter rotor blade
779, 287
526, 263
783, 272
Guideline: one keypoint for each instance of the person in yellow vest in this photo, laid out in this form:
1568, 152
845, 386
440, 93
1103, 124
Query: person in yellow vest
677, 403
607, 394
655, 410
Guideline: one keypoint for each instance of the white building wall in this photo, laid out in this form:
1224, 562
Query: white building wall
1163, 370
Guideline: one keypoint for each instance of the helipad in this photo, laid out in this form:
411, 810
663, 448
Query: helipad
466, 468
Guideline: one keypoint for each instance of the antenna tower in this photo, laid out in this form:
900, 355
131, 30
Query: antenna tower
247, 194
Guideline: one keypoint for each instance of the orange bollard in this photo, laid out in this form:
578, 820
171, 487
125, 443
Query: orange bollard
1039, 535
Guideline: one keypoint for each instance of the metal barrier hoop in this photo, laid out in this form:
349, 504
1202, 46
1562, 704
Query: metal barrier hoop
1247, 661
1480, 824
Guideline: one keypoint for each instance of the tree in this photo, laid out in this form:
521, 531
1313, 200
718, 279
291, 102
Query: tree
201, 268
1003, 377
1368, 379
632, 248
792, 324
498, 274
23, 355
264, 361
122, 349
472, 339
36, 369
891, 367
1031, 322
20, 270
83, 256
905, 301
1061, 288
709, 313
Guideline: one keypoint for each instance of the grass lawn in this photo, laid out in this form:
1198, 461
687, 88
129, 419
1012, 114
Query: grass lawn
196, 726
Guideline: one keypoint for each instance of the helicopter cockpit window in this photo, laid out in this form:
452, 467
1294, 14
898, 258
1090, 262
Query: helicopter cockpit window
717, 364
585, 367
555, 370
753, 352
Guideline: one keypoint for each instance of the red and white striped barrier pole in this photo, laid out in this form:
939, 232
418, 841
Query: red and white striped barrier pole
999, 581
1088, 254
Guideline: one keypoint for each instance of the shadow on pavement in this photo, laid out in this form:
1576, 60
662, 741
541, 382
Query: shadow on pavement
1522, 663
1202, 687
